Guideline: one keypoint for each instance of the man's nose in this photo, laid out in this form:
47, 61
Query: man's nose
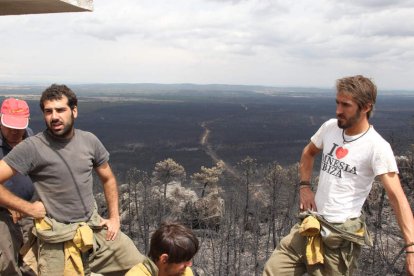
338, 109
54, 114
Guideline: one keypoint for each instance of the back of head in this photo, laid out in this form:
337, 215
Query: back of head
362, 90
15, 113
175, 240
56, 92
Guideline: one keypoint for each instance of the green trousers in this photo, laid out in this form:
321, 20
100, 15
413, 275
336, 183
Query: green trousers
10, 242
289, 257
107, 258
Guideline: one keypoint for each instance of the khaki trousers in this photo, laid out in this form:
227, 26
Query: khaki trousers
289, 257
108, 257
10, 242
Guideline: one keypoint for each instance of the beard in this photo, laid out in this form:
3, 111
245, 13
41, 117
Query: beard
345, 123
65, 131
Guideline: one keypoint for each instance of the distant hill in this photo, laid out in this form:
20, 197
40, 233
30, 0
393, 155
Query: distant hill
161, 89
141, 124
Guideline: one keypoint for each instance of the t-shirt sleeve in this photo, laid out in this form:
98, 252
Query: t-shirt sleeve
101, 155
21, 157
383, 159
317, 138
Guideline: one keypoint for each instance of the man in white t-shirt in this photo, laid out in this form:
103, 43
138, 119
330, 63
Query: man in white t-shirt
353, 154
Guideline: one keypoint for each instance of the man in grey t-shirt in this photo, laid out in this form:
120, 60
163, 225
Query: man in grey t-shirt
60, 162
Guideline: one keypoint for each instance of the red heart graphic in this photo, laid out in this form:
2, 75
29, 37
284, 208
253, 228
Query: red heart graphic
341, 152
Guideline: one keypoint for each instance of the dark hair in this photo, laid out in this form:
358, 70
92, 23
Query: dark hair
175, 240
56, 92
362, 90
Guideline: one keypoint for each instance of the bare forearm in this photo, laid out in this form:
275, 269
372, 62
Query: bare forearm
306, 195
406, 222
404, 216
13, 202
111, 196
306, 167
306, 162
400, 205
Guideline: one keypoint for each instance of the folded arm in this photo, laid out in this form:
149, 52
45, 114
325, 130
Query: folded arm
13, 202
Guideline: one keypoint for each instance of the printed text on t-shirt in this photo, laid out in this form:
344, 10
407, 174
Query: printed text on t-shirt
332, 165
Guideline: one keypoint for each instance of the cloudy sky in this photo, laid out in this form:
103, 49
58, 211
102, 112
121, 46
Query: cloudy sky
261, 42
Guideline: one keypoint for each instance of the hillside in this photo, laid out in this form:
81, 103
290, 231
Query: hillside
239, 206
143, 124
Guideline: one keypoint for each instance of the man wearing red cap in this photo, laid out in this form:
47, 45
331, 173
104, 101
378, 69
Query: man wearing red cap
13, 129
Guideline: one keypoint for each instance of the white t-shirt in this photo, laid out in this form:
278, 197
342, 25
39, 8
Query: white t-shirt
348, 170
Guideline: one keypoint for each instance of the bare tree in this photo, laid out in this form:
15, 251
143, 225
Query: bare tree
164, 172
274, 178
208, 177
249, 169
139, 201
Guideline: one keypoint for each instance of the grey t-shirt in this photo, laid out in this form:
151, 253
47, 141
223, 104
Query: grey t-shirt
61, 170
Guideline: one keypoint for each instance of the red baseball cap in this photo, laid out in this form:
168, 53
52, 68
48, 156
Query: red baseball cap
15, 113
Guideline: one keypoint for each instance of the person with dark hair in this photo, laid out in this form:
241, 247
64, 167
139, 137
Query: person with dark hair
14, 128
328, 240
71, 236
172, 249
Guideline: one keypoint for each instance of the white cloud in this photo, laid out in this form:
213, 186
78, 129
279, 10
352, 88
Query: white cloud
270, 42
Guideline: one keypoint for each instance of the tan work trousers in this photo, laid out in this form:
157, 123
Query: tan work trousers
108, 257
10, 242
289, 257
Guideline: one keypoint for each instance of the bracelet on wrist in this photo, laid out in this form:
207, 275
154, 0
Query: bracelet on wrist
304, 183
304, 186
408, 252
409, 244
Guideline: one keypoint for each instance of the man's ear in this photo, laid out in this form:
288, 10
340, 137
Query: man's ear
163, 258
75, 112
368, 107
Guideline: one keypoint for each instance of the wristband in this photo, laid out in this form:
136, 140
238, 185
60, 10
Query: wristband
408, 245
304, 186
407, 252
304, 183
